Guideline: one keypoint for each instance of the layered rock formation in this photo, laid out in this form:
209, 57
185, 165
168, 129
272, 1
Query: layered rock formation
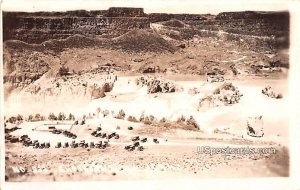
41, 26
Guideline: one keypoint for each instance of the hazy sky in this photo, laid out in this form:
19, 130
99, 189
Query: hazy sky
170, 6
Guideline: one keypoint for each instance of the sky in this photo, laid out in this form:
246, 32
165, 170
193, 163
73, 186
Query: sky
150, 6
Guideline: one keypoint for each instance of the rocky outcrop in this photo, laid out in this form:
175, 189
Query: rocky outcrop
155, 85
125, 12
226, 94
99, 92
255, 126
268, 91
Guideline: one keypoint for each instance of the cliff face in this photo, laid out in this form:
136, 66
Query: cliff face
125, 12
41, 26
250, 23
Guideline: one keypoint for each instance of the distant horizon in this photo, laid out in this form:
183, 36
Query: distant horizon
62, 11
155, 6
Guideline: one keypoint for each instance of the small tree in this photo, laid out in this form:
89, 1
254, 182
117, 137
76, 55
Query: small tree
43, 118
19, 117
61, 116
121, 114
163, 120
52, 117
12, 119
98, 110
71, 117
37, 117
105, 113
132, 119
30, 117
142, 117
151, 118
63, 71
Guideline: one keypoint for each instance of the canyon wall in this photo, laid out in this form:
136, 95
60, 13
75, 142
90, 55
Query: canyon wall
38, 27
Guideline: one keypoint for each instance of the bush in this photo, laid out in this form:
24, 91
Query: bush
71, 117
105, 113
19, 117
192, 122
98, 110
63, 71
142, 117
30, 117
38, 117
279, 96
52, 117
132, 119
12, 119
61, 116
147, 121
163, 120
181, 119
152, 118
121, 114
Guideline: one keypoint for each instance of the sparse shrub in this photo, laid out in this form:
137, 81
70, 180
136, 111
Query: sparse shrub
105, 113
19, 117
43, 118
37, 117
30, 117
132, 119
52, 117
12, 119
61, 116
142, 117
181, 119
98, 110
151, 118
121, 114
63, 71
163, 120
71, 117
192, 122
279, 96
147, 121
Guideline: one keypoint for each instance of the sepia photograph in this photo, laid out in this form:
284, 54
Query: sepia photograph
125, 91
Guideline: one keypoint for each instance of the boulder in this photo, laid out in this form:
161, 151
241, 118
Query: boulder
155, 85
268, 91
255, 126
226, 94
